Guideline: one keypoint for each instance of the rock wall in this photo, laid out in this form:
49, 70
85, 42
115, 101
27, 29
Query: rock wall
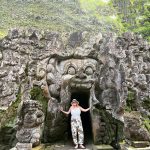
116, 68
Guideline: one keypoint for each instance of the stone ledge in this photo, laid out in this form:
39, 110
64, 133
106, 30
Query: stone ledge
102, 147
79, 149
40, 147
132, 148
66, 147
140, 144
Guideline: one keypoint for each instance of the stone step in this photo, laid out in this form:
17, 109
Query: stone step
102, 147
66, 147
140, 144
40, 147
78, 149
70, 147
146, 148
132, 148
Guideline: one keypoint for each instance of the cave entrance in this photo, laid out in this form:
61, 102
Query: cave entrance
83, 98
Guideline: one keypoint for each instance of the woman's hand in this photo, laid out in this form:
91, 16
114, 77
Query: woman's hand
88, 109
61, 108
84, 110
65, 112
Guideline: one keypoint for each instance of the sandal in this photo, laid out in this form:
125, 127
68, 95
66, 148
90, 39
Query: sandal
81, 146
76, 147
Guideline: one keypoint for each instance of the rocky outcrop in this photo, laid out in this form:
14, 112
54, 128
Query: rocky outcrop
134, 127
112, 72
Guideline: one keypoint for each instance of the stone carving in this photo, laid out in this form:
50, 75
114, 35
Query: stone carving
134, 129
30, 121
107, 68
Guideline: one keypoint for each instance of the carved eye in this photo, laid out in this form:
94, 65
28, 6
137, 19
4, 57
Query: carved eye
71, 70
89, 70
50, 68
41, 73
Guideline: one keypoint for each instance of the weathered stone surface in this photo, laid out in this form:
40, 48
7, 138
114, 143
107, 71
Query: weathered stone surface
134, 129
140, 144
102, 147
29, 124
24, 146
113, 72
40, 147
132, 148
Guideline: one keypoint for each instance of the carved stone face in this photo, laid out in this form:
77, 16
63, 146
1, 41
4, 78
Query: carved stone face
80, 71
71, 75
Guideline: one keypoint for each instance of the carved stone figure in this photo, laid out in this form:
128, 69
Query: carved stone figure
30, 121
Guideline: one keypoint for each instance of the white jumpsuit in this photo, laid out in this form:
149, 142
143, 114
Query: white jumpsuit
76, 126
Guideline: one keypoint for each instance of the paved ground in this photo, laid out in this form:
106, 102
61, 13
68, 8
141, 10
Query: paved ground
67, 147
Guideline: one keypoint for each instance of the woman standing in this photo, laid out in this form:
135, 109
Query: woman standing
76, 123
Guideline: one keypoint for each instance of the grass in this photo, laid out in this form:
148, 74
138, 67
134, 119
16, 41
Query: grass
56, 15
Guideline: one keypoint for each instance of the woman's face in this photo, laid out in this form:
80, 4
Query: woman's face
74, 104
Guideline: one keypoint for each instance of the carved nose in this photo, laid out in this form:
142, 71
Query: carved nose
81, 75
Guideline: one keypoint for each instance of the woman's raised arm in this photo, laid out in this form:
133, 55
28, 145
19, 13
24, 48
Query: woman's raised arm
84, 110
65, 112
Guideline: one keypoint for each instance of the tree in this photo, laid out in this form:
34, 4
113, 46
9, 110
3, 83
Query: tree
135, 15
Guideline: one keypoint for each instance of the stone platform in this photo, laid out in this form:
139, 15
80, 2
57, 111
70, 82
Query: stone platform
140, 144
102, 147
66, 147
136, 145
70, 147
88, 147
132, 148
40, 147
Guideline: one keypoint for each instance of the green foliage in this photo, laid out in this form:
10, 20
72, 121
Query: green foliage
37, 94
143, 22
3, 33
135, 16
92, 5
130, 101
91, 15
104, 13
146, 104
7, 117
146, 123
132, 1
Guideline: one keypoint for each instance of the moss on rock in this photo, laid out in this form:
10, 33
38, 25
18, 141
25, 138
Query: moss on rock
130, 101
37, 94
146, 123
7, 124
146, 104
8, 116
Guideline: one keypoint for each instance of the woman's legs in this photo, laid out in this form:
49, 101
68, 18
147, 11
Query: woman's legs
80, 132
74, 131
76, 128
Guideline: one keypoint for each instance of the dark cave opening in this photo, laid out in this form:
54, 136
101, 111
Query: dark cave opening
83, 98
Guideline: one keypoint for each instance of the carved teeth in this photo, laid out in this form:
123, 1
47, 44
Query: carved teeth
81, 85
72, 84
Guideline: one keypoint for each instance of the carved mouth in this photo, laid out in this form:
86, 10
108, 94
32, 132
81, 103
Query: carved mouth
83, 96
81, 85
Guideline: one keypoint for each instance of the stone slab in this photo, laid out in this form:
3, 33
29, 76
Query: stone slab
66, 147
79, 149
24, 146
146, 148
102, 147
132, 148
40, 147
140, 144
